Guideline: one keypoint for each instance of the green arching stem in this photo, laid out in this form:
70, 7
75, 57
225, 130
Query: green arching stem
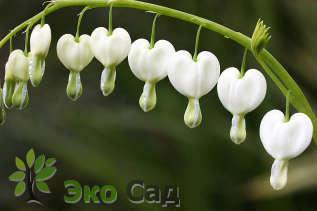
110, 21
153, 31
11, 46
197, 43
27, 39
270, 64
244, 59
79, 22
286, 119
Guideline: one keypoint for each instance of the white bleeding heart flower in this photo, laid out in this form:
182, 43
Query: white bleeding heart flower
150, 65
110, 50
40, 42
15, 91
75, 56
240, 95
193, 79
284, 140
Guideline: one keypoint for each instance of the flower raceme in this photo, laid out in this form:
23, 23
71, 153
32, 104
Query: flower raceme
240, 95
110, 50
39, 43
150, 65
193, 79
284, 140
15, 91
75, 56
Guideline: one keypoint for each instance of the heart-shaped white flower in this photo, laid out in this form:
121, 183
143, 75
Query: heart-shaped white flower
75, 56
193, 79
39, 43
15, 87
110, 50
150, 65
284, 141
240, 95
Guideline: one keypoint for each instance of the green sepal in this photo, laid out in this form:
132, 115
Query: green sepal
74, 88
108, 79
193, 116
20, 98
148, 98
8, 90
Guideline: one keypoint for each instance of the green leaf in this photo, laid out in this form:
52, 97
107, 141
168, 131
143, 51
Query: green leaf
19, 189
20, 164
45, 174
17, 176
39, 163
43, 187
50, 161
30, 157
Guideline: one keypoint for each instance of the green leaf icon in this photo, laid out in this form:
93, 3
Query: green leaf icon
43, 187
50, 161
17, 176
20, 164
45, 174
30, 157
19, 189
39, 163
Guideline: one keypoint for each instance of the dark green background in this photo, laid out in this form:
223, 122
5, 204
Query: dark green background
109, 140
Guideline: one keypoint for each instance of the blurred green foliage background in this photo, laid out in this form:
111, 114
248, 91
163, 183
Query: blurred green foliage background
109, 140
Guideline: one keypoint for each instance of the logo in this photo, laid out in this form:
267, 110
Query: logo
32, 175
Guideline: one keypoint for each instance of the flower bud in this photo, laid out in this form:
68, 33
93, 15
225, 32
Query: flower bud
260, 37
193, 79
39, 43
108, 79
150, 65
284, 141
110, 50
238, 132
16, 78
148, 98
74, 88
75, 56
192, 117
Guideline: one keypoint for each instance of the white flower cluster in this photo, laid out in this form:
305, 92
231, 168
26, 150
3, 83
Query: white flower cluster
193, 77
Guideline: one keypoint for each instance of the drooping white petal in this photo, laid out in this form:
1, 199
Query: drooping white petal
241, 95
285, 140
150, 65
40, 40
112, 49
17, 66
75, 56
193, 79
